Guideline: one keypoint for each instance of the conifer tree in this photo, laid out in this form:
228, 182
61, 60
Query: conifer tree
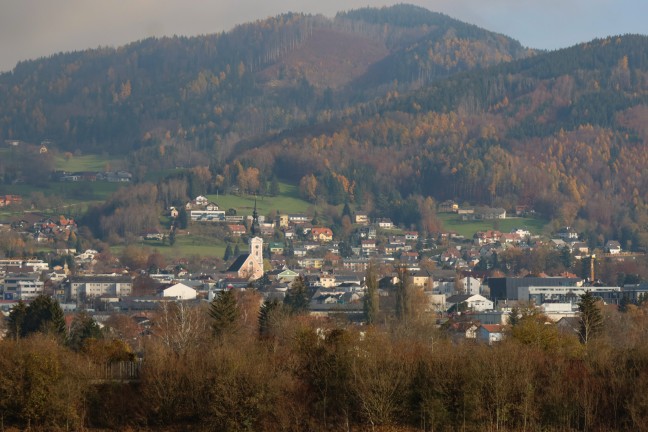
228, 252
224, 311
266, 315
83, 327
403, 295
591, 318
16, 320
296, 298
44, 314
371, 299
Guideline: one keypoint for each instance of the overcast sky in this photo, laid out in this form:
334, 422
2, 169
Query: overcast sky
34, 28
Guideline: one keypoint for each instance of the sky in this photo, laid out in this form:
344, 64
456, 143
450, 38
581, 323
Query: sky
30, 29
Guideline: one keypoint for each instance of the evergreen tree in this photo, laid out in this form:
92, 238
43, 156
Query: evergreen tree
228, 252
183, 218
274, 187
371, 298
16, 320
224, 311
566, 257
623, 304
83, 327
237, 250
172, 237
45, 314
296, 298
345, 249
403, 295
346, 211
266, 316
591, 318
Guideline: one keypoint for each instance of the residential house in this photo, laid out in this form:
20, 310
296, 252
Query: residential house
98, 285
322, 234
173, 212
490, 333
422, 279
468, 302
411, 236
471, 285
284, 221
356, 264
612, 247
361, 218
567, 233
298, 219
368, 246
488, 213
448, 206
580, 248
385, 223
277, 248
311, 262
179, 291
22, 286
237, 230
486, 237
368, 232
207, 215
7, 200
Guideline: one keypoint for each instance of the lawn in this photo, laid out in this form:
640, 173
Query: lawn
187, 245
73, 191
452, 222
89, 162
287, 202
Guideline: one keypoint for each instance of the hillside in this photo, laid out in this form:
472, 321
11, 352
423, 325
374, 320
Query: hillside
378, 107
563, 132
260, 77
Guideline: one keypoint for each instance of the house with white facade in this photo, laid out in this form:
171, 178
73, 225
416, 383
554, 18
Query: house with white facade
179, 291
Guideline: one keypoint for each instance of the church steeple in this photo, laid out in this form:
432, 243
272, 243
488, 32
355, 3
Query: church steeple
255, 229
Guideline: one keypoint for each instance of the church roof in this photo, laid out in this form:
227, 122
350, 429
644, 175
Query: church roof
238, 263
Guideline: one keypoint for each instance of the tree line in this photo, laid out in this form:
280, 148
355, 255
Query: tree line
242, 364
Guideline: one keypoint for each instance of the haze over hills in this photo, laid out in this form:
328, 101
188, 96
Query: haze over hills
372, 106
259, 77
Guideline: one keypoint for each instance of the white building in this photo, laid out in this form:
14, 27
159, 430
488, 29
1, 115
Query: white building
22, 286
100, 285
467, 302
179, 291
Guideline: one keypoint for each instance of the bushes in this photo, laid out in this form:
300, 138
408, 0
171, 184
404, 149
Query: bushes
42, 384
312, 374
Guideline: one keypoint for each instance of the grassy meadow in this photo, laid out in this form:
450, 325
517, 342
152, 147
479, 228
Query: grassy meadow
88, 162
288, 201
453, 222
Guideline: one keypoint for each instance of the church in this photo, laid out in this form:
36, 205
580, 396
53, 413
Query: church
249, 265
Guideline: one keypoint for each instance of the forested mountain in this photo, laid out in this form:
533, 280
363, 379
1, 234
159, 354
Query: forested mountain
378, 107
563, 131
260, 77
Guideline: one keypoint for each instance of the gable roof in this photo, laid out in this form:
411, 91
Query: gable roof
492, 328
238, 263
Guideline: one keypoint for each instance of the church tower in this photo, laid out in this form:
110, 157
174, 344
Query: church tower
256, 250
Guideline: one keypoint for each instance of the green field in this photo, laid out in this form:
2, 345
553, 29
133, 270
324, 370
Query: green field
287, 202
453, 222
69, 191
186, 245
86, 163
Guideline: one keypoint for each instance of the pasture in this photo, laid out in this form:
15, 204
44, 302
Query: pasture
453, 222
